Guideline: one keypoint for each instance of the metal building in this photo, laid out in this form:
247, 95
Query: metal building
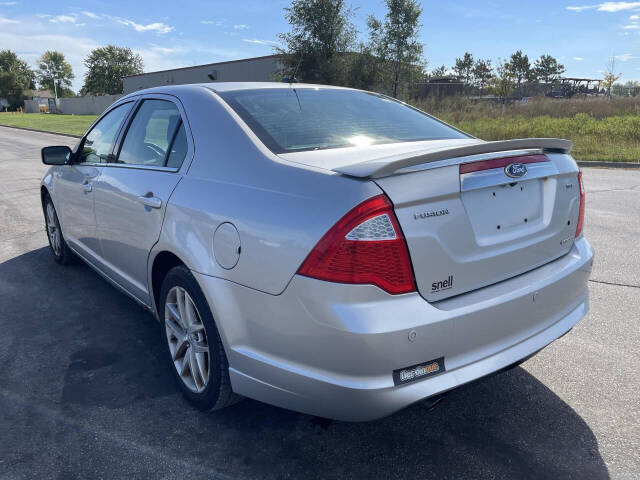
257, 69
440, 87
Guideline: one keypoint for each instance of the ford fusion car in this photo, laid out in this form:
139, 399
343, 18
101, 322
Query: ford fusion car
322, 249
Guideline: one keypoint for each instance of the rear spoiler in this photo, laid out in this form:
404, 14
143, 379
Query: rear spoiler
383, 167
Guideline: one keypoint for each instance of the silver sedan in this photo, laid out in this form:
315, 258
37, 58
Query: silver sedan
322, 249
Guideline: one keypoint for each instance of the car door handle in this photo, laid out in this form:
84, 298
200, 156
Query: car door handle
153, 202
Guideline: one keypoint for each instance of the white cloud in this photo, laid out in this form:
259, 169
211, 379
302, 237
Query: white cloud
158, 27
625, 57
259, 42
8, 21
240, 27
30, 39
578, 59
205, 51
8, 4
63, 19
634, 17
632, 26
158, 57
217, 23
90, 14
607, 7
166, 50
618, 6
30, 43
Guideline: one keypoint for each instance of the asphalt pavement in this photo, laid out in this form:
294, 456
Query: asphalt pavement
85, 391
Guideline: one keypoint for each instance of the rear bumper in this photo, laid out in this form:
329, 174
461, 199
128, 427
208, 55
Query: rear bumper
329, 349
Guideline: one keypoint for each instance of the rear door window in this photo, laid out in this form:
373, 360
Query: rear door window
178, 149
153, 138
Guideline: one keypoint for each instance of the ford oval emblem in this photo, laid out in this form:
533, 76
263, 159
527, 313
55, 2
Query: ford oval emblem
515, 170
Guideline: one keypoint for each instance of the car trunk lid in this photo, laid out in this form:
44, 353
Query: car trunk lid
482, 219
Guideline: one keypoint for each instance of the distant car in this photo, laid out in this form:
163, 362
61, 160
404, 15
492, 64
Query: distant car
327, 250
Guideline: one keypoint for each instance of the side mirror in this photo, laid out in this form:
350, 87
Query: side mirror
58, 155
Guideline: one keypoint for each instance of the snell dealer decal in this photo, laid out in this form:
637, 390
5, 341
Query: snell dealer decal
445, 284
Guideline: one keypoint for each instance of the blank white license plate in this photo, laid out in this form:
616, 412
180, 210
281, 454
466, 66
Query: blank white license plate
504, 209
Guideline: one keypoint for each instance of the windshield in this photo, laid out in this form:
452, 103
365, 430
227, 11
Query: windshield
291, 120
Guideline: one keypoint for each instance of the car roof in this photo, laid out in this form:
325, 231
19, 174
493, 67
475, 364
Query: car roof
229, 86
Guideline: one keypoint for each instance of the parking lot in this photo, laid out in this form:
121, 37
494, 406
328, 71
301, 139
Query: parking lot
85, 391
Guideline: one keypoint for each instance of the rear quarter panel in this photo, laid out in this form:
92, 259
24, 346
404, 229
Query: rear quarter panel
279, 209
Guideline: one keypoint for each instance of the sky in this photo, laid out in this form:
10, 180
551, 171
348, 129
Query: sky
171, 34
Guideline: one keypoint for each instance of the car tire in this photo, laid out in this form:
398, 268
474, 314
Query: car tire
188, 327
59, 248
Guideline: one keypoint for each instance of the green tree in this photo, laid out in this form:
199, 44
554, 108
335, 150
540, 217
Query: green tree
15, 78
631, 88
502, 84
55, 74
10, 62
441, 71
519, 67
320, 36
11, 89
363, 68
464, 68
610, 76
482, 73
395, 42
546, 69
106, 67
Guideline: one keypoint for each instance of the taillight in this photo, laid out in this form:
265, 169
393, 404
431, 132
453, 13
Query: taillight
366, 246
581, 214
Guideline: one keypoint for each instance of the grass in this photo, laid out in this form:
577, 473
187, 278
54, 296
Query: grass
71, 124
614, 138
601, 129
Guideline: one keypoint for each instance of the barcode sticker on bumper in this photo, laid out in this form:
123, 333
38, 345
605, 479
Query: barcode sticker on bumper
419, 371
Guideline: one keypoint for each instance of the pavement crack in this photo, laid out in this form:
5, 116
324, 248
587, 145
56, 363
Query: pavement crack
621, 189
614, 283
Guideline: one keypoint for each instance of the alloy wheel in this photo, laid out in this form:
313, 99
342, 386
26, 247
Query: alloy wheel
53, 229
187, 339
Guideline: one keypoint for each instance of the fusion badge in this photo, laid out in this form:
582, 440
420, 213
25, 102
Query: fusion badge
416, 372
433, 213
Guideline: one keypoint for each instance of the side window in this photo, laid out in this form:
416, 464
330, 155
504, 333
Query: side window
151, 135
97, 144
178, 150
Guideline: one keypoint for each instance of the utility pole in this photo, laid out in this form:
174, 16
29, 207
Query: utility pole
54, 74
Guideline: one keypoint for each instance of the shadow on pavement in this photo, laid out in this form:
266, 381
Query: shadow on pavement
85, 390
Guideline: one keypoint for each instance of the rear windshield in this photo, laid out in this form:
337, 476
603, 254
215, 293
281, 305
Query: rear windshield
291, 120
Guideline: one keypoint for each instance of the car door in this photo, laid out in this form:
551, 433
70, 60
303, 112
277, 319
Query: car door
73, 184
132, 192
